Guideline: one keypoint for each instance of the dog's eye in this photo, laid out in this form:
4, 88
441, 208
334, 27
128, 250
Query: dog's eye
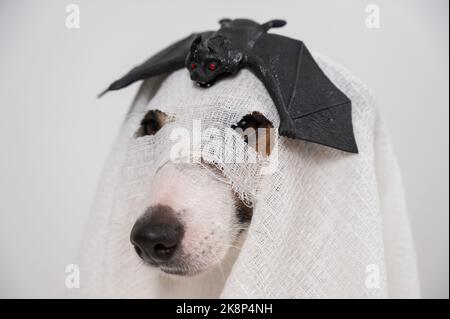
256, 130
152, 123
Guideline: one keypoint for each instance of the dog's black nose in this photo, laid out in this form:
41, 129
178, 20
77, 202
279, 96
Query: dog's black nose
157, 234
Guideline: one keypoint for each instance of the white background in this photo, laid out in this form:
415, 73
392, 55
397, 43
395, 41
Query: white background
55, 135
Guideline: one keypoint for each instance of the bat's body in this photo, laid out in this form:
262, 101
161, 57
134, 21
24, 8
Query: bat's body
310, 106
226, 51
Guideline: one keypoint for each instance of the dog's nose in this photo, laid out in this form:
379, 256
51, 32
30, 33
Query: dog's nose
157, 234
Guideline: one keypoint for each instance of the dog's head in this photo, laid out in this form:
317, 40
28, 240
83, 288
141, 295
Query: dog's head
192, 217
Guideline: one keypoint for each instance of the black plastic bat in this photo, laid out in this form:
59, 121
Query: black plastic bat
310, 106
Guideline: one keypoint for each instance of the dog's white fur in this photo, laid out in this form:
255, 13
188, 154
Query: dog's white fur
207, 284
205, 205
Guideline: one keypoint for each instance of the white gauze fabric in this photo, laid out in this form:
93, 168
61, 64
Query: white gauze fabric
326, 224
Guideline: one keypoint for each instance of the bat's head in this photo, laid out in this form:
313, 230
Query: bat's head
212, 58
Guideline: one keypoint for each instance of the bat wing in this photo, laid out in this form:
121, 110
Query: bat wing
310, 106
168, 60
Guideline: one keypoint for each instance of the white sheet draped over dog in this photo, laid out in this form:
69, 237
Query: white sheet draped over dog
326, 224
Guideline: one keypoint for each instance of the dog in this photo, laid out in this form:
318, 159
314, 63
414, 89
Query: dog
194, 227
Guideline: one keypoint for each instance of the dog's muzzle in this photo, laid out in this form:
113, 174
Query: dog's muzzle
157, 235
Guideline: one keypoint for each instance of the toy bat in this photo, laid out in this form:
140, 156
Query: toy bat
310, 106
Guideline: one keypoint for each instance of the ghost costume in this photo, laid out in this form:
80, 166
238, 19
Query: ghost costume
326, 224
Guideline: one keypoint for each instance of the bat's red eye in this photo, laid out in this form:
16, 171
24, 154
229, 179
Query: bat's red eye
212, 66
193, 66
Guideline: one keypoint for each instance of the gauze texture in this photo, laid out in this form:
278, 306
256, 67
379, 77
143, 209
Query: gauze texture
326, 224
